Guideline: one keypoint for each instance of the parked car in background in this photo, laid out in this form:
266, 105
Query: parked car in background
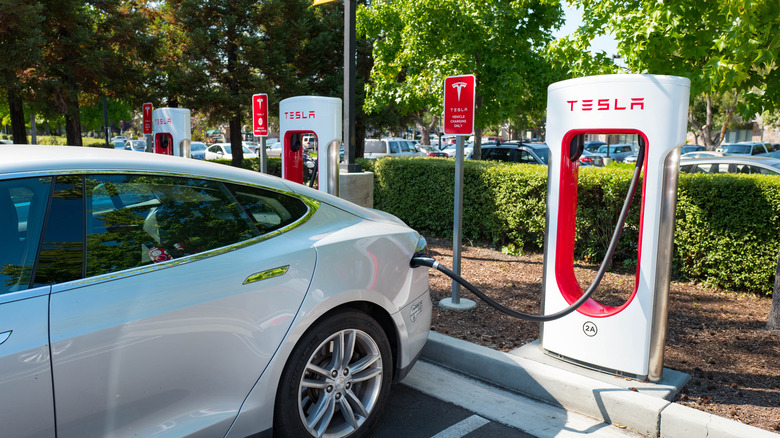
691, 148
251, 145
590, 159
529, 153
438, 154
171, 297
119, 144
273, 149
617, 152
135, 145
390, 147
702, 154
732, 164
745, 148
309, 141
593, 146
198, 150
450, 150
224, 151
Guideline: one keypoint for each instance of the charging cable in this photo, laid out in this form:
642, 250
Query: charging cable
420, 259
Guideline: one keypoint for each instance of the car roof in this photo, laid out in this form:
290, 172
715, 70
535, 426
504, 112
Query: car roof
27, 160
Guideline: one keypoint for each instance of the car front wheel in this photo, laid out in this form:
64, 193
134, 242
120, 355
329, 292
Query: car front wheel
336, 381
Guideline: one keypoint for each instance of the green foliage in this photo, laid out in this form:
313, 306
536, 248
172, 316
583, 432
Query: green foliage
720, 45
727, 228
419, 43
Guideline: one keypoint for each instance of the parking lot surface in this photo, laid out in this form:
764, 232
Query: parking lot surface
433, 402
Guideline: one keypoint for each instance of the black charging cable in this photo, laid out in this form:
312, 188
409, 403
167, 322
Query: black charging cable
421, 259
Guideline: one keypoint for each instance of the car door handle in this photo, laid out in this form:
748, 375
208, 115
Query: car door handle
4, 336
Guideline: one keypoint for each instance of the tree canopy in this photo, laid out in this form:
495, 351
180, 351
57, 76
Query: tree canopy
722, 46
417, 43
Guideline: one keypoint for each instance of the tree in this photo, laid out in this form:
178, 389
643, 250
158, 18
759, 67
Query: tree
721, 46
417, 43
773, 321
90, 49
20, 41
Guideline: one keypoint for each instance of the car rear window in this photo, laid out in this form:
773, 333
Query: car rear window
375, 147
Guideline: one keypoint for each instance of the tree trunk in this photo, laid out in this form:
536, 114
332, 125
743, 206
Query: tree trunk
16, 107
73, 120
773, 322
236, 142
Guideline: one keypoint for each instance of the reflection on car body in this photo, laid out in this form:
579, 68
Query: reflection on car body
195, 298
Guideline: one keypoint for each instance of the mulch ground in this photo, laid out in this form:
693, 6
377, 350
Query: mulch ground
717, 337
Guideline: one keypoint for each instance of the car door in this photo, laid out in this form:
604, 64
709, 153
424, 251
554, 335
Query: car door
183, 300
25, 372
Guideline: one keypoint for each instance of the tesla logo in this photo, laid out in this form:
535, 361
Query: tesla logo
163, 121
590, 329
458, 86
636, 103
290, 115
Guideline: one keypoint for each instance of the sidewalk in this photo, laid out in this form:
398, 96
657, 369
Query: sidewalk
642, 407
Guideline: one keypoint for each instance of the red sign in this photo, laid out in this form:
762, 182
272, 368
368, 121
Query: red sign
459, 105
147, 118
260, 114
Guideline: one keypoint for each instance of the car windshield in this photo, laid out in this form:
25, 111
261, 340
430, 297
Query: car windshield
736, 149
197, 147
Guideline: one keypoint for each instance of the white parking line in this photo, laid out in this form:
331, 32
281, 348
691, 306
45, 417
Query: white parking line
463, 428
533, 417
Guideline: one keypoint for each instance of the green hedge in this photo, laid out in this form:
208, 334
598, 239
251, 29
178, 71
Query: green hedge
727, 228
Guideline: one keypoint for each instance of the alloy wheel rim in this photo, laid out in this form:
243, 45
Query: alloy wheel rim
341, 384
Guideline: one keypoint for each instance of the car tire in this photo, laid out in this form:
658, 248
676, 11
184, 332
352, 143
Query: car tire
323, 391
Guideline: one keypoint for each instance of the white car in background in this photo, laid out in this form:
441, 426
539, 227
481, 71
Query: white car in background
390, 147
149, 295
224, 151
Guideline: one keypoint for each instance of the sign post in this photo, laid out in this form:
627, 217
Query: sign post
260, 126
147, 125
459, 93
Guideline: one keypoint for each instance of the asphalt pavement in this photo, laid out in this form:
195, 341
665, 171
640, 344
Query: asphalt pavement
542, 396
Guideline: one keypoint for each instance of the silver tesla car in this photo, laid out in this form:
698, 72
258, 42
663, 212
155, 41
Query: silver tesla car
147, 295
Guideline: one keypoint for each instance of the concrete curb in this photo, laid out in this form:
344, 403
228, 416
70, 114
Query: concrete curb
642, 407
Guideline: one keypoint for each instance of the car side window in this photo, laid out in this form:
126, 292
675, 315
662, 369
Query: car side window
268, 210
395, 148
150, 219
22, 210
525, 157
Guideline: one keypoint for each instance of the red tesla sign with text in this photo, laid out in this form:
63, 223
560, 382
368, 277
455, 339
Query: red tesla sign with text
459, 105
260, 114
147, 110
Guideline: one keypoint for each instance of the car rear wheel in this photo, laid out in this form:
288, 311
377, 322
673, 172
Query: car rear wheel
336, 381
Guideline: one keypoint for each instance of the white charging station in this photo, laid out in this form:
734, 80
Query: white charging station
171, 132
627, 339
321, 116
